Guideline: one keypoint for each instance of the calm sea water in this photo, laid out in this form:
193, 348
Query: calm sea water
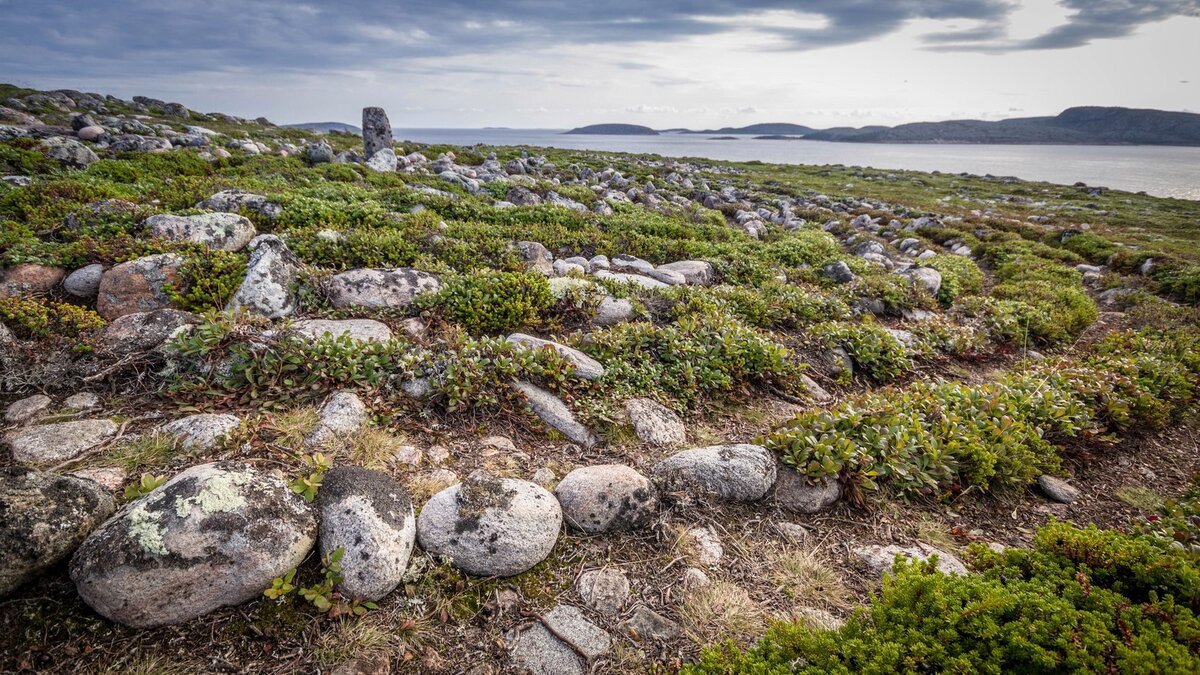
1162, 171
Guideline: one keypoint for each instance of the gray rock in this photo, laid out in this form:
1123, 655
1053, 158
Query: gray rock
84, 400
838, 272
235, 201
816, 391
84, 282
144, 331
604, 590
667, 277
201, 432
738, 472
795, 493
563, 268
551, 410
91, 133
111, 478
362, 330
536, 650
342, 415
370, 517
26, 409
1057, 489
569, 624
383, 161
586, 368
695, 272
45, 517
537, 257
612, 311
490, 526
607, 497
627, 278
693, 578
58, 442
376, 131
213, 536
379, 288
67, 151
646, 624
926, 278
271, 275
793, 533
137, 285
868, 248
223, 231
630, 263
707, 545
599, 262
880, 559
318, 153
655, 423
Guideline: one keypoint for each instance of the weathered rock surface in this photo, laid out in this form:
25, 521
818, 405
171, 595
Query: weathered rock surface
880, 559
29, 279
376, 131
738, 472
647, 624
607, 497
586, 368
613, 311
695, 272
655, 423
222, 231
201, 432
137, 285
43, 517
357, 329
536, 650
551, 410
26, 409
379, 288
68, 152
236, 201
84, 282
142, 331
604, 590
1058, 489
370, 517
342, 415
57, 442
795, 493
490, 526
213, 536
384, 161
271, 276
569, 624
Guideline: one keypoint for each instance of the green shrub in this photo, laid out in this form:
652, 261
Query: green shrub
876, 352
960, 276
1091, 247
42, 318
488, 301
207, 280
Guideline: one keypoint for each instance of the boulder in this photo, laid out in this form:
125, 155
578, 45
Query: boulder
607, 497
271, 276
29, 279
237, 201
223, 231
627, 278
738, 472
143, 331
537, 257
84, 283
357, 329
604, 590
213, 536
838, 272
43, 518
586, 368
26, 409
137, 285
379, 288
384, 161
1057, 489
318, 153
57, 442
488, 526
655, 423
68, 152
630, 263
613, 311
795, 493
201, 432
370, 517
695, 272
925, 277
376, 131
551, 410
537, 651
342, 415
880, 559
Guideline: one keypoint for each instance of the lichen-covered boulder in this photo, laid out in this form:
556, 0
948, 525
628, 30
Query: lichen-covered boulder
737, 472
379, 288
67, 151
490, 526
607, 497
213, 536
57, 442
137, 285
43, 517
586, 368
271, 275
695, 272
370, 517
142, 331
223, 231
234, 201
201, 432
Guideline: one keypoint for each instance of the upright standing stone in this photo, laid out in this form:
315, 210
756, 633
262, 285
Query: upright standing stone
376, 131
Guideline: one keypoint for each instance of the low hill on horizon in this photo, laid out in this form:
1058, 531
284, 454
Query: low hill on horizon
614, 130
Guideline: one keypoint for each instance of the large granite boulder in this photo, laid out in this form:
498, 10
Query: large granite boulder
370, 517
607, 497
271, 274
223, 231
137, 285
737, 472
380, 288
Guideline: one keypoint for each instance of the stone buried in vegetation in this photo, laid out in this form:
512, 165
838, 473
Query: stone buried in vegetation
342, 415
880, 559
654, 423
1057, 489
222, 231
137, 285
551, 410
380, 288
201, 432
26, 409
143, 331
586, 368
737, 472
213, 536
604, 590
361, 330
271, 275
43, 518
795, 493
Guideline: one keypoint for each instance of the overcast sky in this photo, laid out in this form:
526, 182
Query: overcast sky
662, 63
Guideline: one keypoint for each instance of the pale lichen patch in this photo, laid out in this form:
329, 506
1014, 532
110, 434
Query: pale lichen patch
145, 527
220, 494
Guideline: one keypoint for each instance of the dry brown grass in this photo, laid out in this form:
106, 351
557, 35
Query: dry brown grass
805, 578
373, 448
295, 425
721, 611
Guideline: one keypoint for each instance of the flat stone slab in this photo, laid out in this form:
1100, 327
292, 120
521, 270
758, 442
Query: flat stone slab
586, 368
358, 329
59, 442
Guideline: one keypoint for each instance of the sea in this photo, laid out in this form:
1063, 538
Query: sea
1157, 170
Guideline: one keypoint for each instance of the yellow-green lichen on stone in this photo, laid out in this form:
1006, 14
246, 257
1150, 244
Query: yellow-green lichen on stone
220, 494
145, 528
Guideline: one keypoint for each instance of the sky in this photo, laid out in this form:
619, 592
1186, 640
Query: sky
661, 63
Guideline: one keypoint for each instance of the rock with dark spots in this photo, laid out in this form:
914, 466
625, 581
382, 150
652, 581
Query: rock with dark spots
137, 285
29, 279
67, 152
655, 423
223, 231
237, 201
795, 493
84, 283
607, 497
569, 624
488, 526
537, 257
201, 432
604, 590
586, 368
342, 415
271, 276
738, 472
695, 272
880, 559
613, 311
143, 331
380, 288
370, 517
26, 409
1057, 489
522, 196
838, 272
537, 651
213, 536
57, 442
361, 330
551, 410
84, 400
43, 518
376, 131
926, 278
318, 153
645, 624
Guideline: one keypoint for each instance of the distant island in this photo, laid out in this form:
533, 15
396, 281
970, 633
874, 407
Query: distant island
773, 128
778, 137
325, 127
614, 130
